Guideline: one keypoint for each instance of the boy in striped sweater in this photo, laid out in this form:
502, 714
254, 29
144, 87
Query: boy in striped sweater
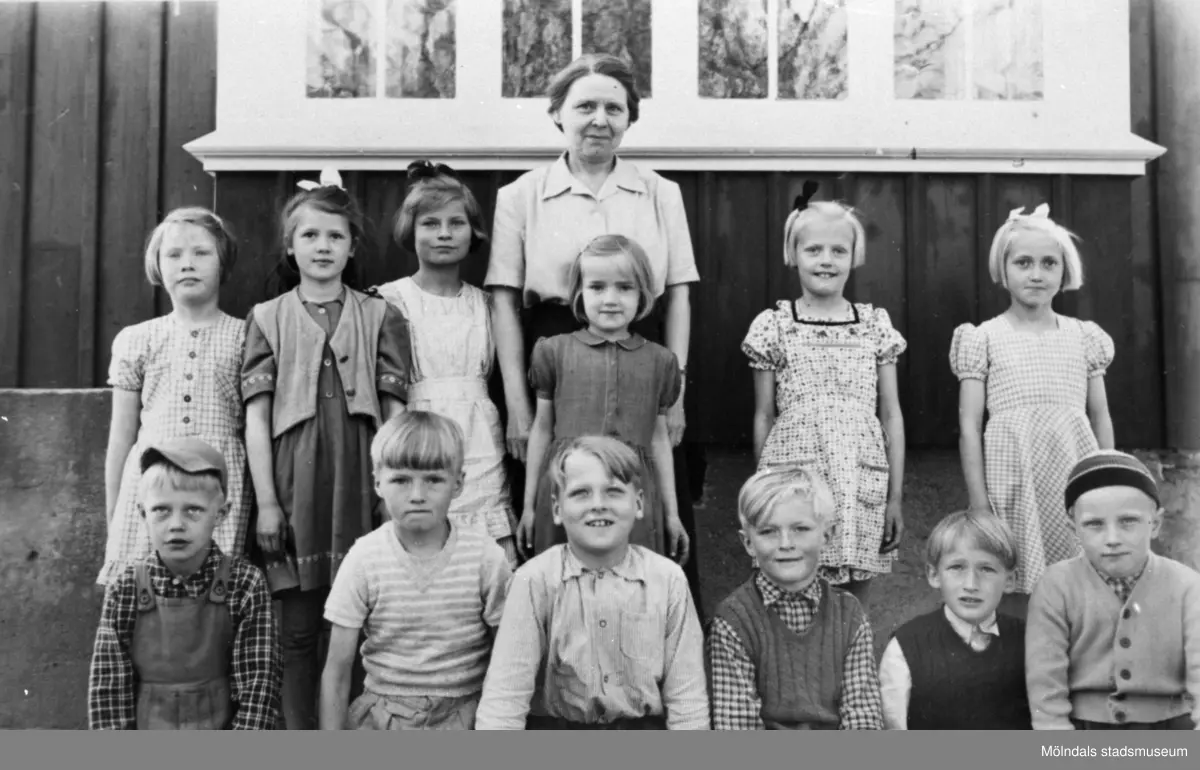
429, 594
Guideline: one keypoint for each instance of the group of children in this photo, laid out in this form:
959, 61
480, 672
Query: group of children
360, 422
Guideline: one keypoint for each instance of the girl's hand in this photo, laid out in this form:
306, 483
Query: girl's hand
524, 534
893, 528
678, 543
676, 422
519, 423
270, 528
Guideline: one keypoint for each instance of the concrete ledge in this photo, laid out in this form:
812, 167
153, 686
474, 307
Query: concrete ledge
52, 534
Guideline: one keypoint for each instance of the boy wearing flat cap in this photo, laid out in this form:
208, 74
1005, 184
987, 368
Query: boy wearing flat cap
187, 639
1113, 635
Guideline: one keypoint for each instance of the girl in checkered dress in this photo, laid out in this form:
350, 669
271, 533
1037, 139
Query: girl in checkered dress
176, 376
1040, 377
826, 394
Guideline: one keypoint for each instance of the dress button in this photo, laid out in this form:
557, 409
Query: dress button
1126, 614
192, 354
187, 399
195, 333
1118, 696
328, 362
320, 310
350, 392
1125, 673
186, 420
603, 623
328, 394
606, 678
1120, 715
343, 359
187, 376
1125, 642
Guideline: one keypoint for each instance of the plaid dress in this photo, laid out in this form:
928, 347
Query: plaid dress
1037, 425
188, 381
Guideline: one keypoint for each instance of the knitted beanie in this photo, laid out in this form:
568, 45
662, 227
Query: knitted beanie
1108, 468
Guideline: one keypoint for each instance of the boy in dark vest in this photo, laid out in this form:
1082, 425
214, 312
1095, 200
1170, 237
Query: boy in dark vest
962, 666
187, 638
1114, 633
786, 650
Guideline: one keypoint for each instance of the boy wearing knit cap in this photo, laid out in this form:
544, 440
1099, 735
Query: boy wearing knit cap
1113, 635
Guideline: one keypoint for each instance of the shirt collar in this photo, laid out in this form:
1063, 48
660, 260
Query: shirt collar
1126, 582
587, 337
341, 298
629, 568
773, 594
202, 575
964, 629
560, 179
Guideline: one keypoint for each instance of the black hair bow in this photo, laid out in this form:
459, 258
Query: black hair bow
423, 169
806, 193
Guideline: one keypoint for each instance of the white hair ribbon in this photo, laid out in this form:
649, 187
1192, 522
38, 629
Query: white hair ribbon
329, 178
1041, 212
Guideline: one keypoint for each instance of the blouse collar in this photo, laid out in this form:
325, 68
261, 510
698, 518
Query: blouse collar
560, 179
587, 337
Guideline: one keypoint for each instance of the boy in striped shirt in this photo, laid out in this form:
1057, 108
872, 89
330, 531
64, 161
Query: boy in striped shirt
428, 594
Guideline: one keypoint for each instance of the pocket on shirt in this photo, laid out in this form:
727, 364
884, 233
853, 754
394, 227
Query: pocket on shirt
872, 484
642, 638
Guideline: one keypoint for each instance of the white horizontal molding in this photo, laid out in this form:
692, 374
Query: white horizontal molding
220, 153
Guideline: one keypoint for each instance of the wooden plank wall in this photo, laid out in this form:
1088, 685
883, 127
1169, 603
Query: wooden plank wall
96, 101
90, 157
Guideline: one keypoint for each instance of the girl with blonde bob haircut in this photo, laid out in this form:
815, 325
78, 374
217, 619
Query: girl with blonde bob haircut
637, 270
1016, 224
216, 227
174, 376
823, 211
1039, 376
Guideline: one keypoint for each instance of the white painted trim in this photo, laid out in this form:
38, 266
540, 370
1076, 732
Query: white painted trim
1082, 125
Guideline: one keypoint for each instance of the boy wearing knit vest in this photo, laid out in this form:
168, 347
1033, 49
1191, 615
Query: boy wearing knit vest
1113, 635
962, 666
787, 651
429, 594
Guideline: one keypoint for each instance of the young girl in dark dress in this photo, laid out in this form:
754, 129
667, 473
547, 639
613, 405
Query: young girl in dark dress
324, 366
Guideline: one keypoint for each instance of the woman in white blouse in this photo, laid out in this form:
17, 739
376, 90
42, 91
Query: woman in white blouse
546, 216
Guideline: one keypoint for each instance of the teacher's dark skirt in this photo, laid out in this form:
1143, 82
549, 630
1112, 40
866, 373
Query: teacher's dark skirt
550, 319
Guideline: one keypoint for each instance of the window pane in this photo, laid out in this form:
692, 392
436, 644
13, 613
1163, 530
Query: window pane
341, 50
537, 44
622, 28
421, 49
930, 49
733, 49
812, 49
1008, 49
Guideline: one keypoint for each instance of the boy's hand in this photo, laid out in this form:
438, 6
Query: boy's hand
270, 528
893, 527
678, 543
524, 534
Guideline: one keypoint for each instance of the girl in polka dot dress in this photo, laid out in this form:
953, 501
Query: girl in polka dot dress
824, 379
177, 376
1040, 377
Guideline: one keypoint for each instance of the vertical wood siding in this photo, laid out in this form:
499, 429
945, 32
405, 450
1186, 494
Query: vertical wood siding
97, 99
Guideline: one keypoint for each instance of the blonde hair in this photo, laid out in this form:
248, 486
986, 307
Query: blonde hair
984, 531
199, 217
617, 458
165, 475
827, 211
418, 440
639, 271
1038, 222
767, 488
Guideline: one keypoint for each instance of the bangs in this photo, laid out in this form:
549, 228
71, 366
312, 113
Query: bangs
420, 441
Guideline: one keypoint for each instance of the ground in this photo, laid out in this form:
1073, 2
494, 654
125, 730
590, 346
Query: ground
933, 487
